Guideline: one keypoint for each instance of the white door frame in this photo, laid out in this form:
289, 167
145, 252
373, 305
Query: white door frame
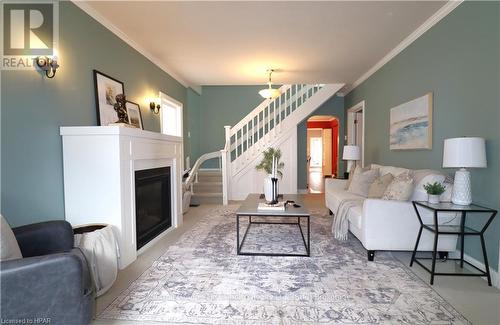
359, 107
164, 98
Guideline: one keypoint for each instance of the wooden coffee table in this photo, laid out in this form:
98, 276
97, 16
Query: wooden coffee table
248, 209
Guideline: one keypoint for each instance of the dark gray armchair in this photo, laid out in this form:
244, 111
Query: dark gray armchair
51, 282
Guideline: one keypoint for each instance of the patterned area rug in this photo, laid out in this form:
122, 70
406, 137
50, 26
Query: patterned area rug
201, 280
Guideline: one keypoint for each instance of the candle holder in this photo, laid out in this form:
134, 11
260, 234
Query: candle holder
275, 190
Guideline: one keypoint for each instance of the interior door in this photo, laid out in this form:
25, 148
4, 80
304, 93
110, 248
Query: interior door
327, 151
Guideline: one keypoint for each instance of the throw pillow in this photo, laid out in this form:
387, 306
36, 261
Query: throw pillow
361, 182
378, 187
400, 189
356, 169
395, 171
9, 248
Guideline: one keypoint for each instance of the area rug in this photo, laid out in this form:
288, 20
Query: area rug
201, 280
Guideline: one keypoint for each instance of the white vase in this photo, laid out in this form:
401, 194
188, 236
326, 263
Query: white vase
433, 198
268, 188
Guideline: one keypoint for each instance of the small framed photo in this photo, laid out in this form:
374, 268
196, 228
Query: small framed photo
134, 115
106, 89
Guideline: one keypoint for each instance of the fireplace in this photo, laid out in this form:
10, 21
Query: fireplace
153, 206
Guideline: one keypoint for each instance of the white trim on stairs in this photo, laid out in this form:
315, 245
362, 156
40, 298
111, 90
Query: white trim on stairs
433, 20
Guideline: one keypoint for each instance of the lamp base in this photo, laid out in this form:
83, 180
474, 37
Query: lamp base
462, 188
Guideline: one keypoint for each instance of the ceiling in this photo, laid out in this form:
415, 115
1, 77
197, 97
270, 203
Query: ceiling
234, 42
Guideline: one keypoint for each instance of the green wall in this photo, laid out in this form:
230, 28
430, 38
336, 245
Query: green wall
33, 109
459, 61
224, 105
219, 106
334, 106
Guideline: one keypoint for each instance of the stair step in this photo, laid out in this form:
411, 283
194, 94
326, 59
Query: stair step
208, 198
210, 177
207, 187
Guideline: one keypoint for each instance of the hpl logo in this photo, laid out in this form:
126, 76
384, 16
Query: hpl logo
28, 30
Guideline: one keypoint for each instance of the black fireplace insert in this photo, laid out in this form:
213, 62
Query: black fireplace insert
153, 206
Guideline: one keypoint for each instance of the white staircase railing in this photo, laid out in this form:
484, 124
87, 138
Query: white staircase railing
263, 124
256, 131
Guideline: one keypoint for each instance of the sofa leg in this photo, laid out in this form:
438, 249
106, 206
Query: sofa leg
330, 212
371, 255
443, 256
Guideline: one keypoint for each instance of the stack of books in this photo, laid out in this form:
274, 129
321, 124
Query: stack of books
263, 206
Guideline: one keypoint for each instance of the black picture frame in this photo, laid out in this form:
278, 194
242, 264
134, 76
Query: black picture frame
131, 106
104, 108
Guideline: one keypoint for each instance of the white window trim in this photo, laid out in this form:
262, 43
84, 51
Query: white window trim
173, 102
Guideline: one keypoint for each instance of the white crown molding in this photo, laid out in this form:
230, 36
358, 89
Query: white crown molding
433, 20
83, 5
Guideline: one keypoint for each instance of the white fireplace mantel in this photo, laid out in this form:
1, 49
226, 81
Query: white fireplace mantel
99, 177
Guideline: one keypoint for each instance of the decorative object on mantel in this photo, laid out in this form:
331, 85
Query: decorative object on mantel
134, 114
106, 89
434, 191
272, 166
462, 153
411, 124
351, 154
120, 107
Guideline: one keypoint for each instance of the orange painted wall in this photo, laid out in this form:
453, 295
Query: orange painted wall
334, 125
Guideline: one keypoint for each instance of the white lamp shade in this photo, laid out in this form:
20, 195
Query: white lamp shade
464, 152
351, 153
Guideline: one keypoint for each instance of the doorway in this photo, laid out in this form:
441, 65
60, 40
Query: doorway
322, 151
356, 128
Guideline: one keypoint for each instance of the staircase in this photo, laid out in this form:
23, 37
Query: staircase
208, 187
272, 123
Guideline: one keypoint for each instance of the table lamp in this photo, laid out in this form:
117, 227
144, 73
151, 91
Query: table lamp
351, 154
464, 152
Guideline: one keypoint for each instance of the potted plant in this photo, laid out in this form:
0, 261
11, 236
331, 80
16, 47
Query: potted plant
271, 158
434, 190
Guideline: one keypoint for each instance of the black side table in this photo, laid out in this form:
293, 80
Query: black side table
460, 230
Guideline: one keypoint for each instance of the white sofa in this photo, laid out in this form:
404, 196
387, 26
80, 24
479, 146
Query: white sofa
391, 225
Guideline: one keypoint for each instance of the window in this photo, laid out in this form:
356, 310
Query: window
171, 116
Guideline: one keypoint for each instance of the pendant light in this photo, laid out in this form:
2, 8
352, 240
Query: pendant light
270, 92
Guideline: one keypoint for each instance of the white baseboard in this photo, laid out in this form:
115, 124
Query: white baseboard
302, 191
495, 279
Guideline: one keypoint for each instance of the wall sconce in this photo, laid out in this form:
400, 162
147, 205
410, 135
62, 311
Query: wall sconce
49, 65
154, 105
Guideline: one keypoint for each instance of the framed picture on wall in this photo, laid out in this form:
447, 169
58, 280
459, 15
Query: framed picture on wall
106, 89
411, 124
134, 115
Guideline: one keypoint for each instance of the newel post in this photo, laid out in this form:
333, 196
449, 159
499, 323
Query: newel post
226, 162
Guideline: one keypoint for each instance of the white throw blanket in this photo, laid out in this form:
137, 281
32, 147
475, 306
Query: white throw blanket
340, 226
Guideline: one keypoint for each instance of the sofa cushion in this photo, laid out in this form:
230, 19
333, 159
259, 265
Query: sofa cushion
333, 198
395, 171
400, 189
9, 248
379, 186
361, 181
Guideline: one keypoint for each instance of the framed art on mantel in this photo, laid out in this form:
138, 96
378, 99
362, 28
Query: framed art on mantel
106, 89
411, 124
134, 115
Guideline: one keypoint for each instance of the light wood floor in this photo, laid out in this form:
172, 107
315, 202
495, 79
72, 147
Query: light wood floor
470, 296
